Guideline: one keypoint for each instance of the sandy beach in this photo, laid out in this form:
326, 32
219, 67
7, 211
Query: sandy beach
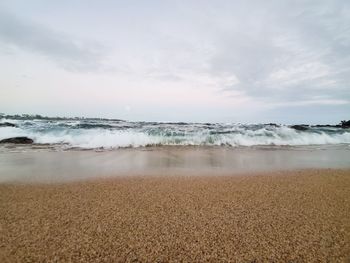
175, 131
293, 216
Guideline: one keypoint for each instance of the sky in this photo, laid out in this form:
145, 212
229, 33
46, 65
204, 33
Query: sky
194, 60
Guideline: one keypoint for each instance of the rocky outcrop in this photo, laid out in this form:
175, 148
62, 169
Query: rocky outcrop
345, 124
18, 140
326, 126
302, 127
7, 124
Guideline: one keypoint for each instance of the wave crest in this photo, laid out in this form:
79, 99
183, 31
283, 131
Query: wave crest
154, 134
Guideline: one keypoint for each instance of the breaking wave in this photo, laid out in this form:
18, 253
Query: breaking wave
91, 134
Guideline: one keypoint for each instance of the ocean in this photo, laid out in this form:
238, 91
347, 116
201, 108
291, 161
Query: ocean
104, 134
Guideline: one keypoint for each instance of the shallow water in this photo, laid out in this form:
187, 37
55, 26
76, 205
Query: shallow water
33, 165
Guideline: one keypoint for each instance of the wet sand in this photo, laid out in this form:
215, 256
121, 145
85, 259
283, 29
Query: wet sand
293, 216
33, 166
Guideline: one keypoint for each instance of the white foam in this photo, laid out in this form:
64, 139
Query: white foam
96, 138
8, 132
173, 135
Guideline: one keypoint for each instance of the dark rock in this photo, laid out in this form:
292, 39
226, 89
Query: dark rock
7, 124
18, 140
326, 126
323, 125
345, 124
300, 127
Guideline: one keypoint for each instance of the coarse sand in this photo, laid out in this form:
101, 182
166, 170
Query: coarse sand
295, 216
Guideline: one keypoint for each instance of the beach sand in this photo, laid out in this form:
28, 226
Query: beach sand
294, 216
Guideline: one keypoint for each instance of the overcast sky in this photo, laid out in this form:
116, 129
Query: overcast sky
218, 61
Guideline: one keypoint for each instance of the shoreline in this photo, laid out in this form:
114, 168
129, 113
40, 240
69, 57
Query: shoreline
67, 166
299, 215
174, 175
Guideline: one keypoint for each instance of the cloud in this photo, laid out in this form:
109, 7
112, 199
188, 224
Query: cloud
66, 51
310, 103
290, 55
287, 52
274, 52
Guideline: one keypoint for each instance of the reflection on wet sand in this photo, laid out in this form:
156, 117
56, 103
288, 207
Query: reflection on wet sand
53, 166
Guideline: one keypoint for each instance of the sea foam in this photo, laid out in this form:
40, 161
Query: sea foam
88, 134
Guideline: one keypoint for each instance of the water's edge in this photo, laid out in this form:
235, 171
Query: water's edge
72, 165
